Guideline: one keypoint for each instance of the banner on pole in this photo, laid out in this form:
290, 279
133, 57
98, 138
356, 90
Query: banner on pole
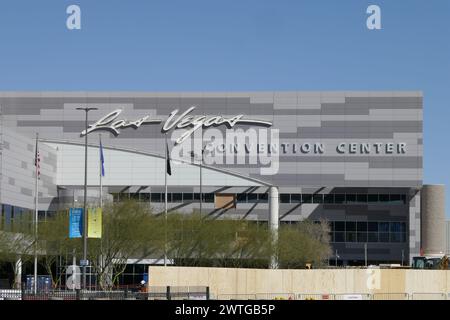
95, 223
75, 222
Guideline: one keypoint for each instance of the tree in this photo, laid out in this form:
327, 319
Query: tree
195, 240
130, 230
17, 243
302, 243
54, 243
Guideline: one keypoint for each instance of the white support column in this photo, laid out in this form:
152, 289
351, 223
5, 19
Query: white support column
274, 205
18, 274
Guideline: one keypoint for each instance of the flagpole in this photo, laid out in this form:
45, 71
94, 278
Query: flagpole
101, 196
101, 164
201, 176
36, 199
165, 205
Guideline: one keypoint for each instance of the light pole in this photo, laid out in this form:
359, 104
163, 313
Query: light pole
365, 254
86, 110
201, 175
201, 181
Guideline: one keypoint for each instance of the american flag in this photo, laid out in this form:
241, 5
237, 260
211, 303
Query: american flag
37, 161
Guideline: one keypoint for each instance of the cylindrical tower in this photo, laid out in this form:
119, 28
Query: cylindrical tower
433, 219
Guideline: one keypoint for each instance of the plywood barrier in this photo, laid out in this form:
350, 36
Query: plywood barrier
395, 283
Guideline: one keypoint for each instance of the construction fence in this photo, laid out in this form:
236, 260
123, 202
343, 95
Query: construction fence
336, 296
202, 293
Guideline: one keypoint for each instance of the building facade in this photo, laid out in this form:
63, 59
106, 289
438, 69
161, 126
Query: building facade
447, 238
351, 158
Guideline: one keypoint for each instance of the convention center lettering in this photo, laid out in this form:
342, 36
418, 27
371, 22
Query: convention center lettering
190, 123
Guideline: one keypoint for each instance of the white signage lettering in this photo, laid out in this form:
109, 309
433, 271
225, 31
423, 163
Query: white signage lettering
183, 121
191, 124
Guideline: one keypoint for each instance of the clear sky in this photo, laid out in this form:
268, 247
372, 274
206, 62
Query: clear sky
237, 45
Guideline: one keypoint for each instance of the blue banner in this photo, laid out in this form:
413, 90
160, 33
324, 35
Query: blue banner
75, 222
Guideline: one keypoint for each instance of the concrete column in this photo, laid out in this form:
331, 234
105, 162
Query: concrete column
18, 274
414, 225
274, 206
433, 219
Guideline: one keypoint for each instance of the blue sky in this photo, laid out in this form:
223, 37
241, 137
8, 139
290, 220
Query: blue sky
236, 45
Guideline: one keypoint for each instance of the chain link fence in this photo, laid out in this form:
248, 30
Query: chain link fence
340, 296
275, 296
429, 296
233, 296
390, 296
314, 296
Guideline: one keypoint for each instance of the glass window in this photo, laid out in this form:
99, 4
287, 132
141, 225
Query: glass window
7, 213
139, 268
372, 198
395, 198
362, 236
403, 236
331, 235
177, 197
350, 226
403, 197
396, 237
252, 197
197, 197
17, 212
403, 226
328, 198
372, 226
134, 196
351, 237
155, 197
339, 237
307, 198
361, 226
209, 197
318, 198
339, 226
383, 237
188, 196
145, 197
383, 226
361, 198
124, 196
41, 214
331, 224
296, 198
285, 198
263, 197
350, 198
384, 197
339, 198
241, 198
169, 197
395, 226
372, 236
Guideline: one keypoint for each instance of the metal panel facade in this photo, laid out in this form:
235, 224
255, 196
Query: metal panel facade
358, 134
